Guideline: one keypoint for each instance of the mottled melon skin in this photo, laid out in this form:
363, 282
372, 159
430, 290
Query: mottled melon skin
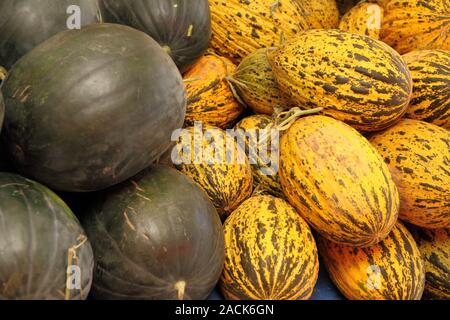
228, 182
390, 270
210, 98
356, 79
416, 24
418, 156
365, 18
337, 181
270, 253
241, 27
256, 85
265, 175
430, 71
434, 245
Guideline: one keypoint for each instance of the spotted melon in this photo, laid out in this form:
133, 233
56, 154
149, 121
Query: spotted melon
270, 253
434, 245
365, 18
356, 79
337, 181
390, 270
265, 167
430, 70
416, 24
256, 85
418, 155
240, 27
218, 165
210, 97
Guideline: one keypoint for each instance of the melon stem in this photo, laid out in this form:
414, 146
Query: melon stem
167, 50
180, 286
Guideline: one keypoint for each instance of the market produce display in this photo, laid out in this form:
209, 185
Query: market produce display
103, 115
26, 23
155, 237
182, 27
270, 252
224, 149
40, 237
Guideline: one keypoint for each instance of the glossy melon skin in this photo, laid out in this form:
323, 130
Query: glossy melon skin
182, 27
241, 27
430, 70
418, 154
37, 234
390, 270
337, 181
356, 79
105, 113
265, 171
227, 181
155, 237
365, 18
210, 98
27, 23
270, 253
434, 245
416, 25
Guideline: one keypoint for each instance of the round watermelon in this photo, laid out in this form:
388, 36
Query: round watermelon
27, 23
182, 27
157, 236
90, 108
44, 252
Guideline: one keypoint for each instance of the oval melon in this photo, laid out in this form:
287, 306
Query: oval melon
337, 181
270, 253
356, 79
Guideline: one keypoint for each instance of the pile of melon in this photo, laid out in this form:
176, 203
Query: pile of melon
156, 149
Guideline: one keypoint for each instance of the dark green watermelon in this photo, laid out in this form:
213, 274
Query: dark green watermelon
182, 27
157, 236
42, 245
90, 108
26, 23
